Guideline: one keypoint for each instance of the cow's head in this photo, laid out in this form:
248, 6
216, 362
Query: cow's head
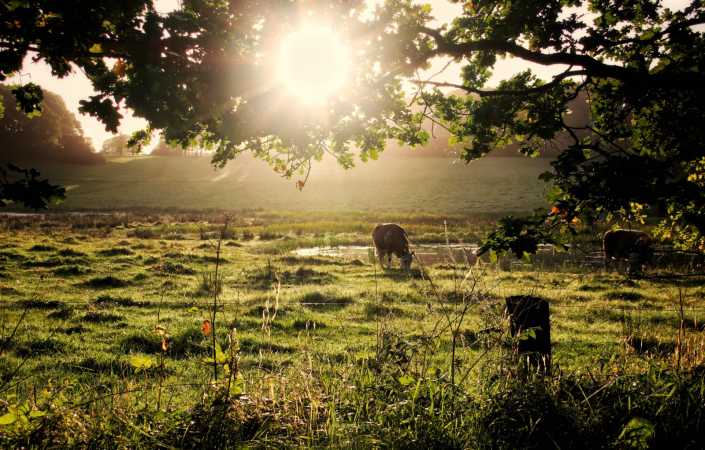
406, 260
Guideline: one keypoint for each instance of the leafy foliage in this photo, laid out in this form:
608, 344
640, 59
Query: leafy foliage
521, 236
25, 187
29, 98
203, 75
641, 150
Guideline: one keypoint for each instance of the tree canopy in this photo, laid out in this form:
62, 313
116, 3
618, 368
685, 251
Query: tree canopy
642, 69
52, 135
203, 74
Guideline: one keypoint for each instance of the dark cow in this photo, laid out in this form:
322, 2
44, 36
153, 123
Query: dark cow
391, 239
630, 245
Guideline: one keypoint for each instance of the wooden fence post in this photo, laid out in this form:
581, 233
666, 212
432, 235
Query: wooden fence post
530, 324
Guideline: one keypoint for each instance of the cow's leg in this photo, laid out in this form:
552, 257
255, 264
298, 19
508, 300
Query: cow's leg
380, 257
608, 260
389, 260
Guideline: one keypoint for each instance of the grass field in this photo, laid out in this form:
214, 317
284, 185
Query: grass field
88, 302
426, 185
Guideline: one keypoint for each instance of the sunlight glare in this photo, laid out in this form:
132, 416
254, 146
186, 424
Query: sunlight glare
314, 64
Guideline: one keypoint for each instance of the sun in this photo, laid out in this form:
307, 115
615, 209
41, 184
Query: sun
314, 64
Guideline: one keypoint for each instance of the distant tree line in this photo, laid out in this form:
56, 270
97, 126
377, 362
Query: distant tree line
116, 146
52, 135
119, 145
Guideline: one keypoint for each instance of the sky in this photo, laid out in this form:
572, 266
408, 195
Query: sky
77, 87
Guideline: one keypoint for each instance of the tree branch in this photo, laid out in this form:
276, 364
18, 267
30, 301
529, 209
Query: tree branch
529, 91
594, 67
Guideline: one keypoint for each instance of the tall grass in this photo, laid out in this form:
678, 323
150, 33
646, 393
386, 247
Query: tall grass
433, 367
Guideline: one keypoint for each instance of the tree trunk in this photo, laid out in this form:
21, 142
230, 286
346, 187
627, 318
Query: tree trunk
530, 325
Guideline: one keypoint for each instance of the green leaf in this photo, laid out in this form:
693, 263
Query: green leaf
8, 419
29, 99
637, 433
237, 386
96, 48
15, 4
108, 25
547, 176
648, 35
529, 333
493, 256
24, 408
35, 414
406, 380
141, 362
220, 356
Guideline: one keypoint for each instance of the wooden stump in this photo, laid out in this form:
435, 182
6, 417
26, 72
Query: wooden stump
530, 324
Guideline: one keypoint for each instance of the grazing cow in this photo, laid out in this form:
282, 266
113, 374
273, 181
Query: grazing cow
631, 245
391, 239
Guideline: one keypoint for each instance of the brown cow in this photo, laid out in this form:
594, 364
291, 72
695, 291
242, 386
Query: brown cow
391, 239
633, 246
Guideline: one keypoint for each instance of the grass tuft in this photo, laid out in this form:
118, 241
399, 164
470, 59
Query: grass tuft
39, 347
107, 282
42, 248
107, 301
71, 271
173, 268
41, 304
309, 324
60, 314
70, 253
623, 295
255, 346
116, 251
184, 344
101, 317
329, 300
9, 290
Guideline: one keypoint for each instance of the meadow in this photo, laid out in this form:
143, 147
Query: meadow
108, 336
426, 185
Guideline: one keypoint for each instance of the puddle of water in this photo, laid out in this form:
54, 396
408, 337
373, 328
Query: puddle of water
427, 253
